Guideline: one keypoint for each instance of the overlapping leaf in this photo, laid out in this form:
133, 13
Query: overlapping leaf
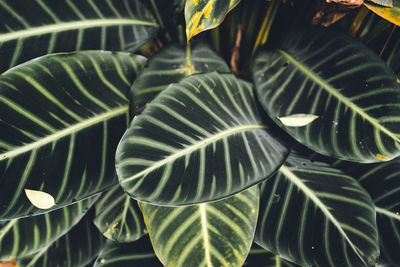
118, 216
29, 29
332, 76
23, 237
261, 258
138, 253
170, 65
391, 14
78, 247
201, 139
202, 15
315, 215
61, 118
208, 234
382, 181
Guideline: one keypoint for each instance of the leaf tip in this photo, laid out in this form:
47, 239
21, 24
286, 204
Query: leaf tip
298, 120
39, 199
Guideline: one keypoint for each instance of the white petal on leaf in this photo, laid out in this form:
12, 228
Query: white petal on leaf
39, 199
298, 120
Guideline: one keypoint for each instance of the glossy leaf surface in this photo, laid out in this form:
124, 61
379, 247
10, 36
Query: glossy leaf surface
201, 139
382, 181
202, 15
29, 29
351, 90
315, 215
170, 65
26, 236
118, 216
138, 253
77, 248
210, 234
61, 118
391, 14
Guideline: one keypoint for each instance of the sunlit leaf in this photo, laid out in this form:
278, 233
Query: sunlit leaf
209, 234
202, 15
391, 14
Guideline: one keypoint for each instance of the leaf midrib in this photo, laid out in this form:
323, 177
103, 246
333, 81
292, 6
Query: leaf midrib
74, 25
65, 132
314, 198
345, 100
194, 147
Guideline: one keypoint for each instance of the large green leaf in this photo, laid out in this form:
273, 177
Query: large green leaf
77, 248
61, 118
382, 181
170, 65
201, 139
347, 92
202, 15
208, 234
118, 216
315, 215
26, 236
138, 253
29, 29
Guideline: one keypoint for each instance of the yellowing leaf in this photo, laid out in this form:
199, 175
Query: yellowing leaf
201, 15
391, 14
297, 120
382, 157
40, 199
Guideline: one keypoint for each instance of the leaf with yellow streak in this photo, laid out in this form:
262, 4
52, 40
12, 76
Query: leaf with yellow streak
202, 15
391, 14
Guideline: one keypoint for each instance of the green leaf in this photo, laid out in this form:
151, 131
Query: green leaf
262, 258
26, 236
382, 181
315, 215
202, 15
200, 140
138, 253
391, 14
170, 65
208, 234
61, 117
386, 3
332, 76
78, 247
29, 29
165, 11
118, 216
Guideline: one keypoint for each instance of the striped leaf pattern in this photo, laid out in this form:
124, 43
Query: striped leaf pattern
391, 14
118, 216
77, 248
170, 65
26, 236
259, 257
315, 215
29, 29
209, 234
351, 90
382, 181
202, 15
64, 110
200, 140
138, 253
